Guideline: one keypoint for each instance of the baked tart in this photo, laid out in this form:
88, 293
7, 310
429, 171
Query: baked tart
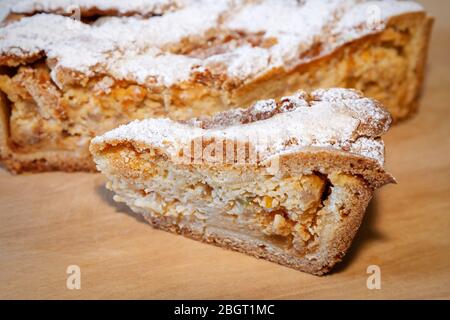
287, 181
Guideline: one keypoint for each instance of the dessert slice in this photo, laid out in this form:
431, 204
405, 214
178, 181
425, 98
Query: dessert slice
287, 180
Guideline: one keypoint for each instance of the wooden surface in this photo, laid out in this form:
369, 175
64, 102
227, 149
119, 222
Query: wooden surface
53, 220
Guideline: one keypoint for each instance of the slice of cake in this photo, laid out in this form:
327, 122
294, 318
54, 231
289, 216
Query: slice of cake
71, 70
287, 180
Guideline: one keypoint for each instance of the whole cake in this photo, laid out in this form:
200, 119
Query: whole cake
70, 70
288, 180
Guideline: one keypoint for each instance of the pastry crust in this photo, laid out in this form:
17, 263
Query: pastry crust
196, 69
298, 201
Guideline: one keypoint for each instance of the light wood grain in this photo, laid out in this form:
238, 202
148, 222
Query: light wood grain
49, 221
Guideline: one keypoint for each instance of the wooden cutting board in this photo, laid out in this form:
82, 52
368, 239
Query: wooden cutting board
53, 220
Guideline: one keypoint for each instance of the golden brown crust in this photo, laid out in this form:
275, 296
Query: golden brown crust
4, 127
326, 160
421, 67
55, 162
347, 228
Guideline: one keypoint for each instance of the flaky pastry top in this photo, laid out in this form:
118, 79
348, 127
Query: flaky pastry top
336, 120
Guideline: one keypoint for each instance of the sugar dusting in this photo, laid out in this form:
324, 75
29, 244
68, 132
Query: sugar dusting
143, 7
145, 50
337, 119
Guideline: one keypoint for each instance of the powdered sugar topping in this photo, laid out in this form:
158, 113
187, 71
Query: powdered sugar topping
320, 119
151, 50
143, 7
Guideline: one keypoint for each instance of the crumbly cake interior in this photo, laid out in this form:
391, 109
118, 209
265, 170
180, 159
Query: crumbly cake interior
46, 118
289, 214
